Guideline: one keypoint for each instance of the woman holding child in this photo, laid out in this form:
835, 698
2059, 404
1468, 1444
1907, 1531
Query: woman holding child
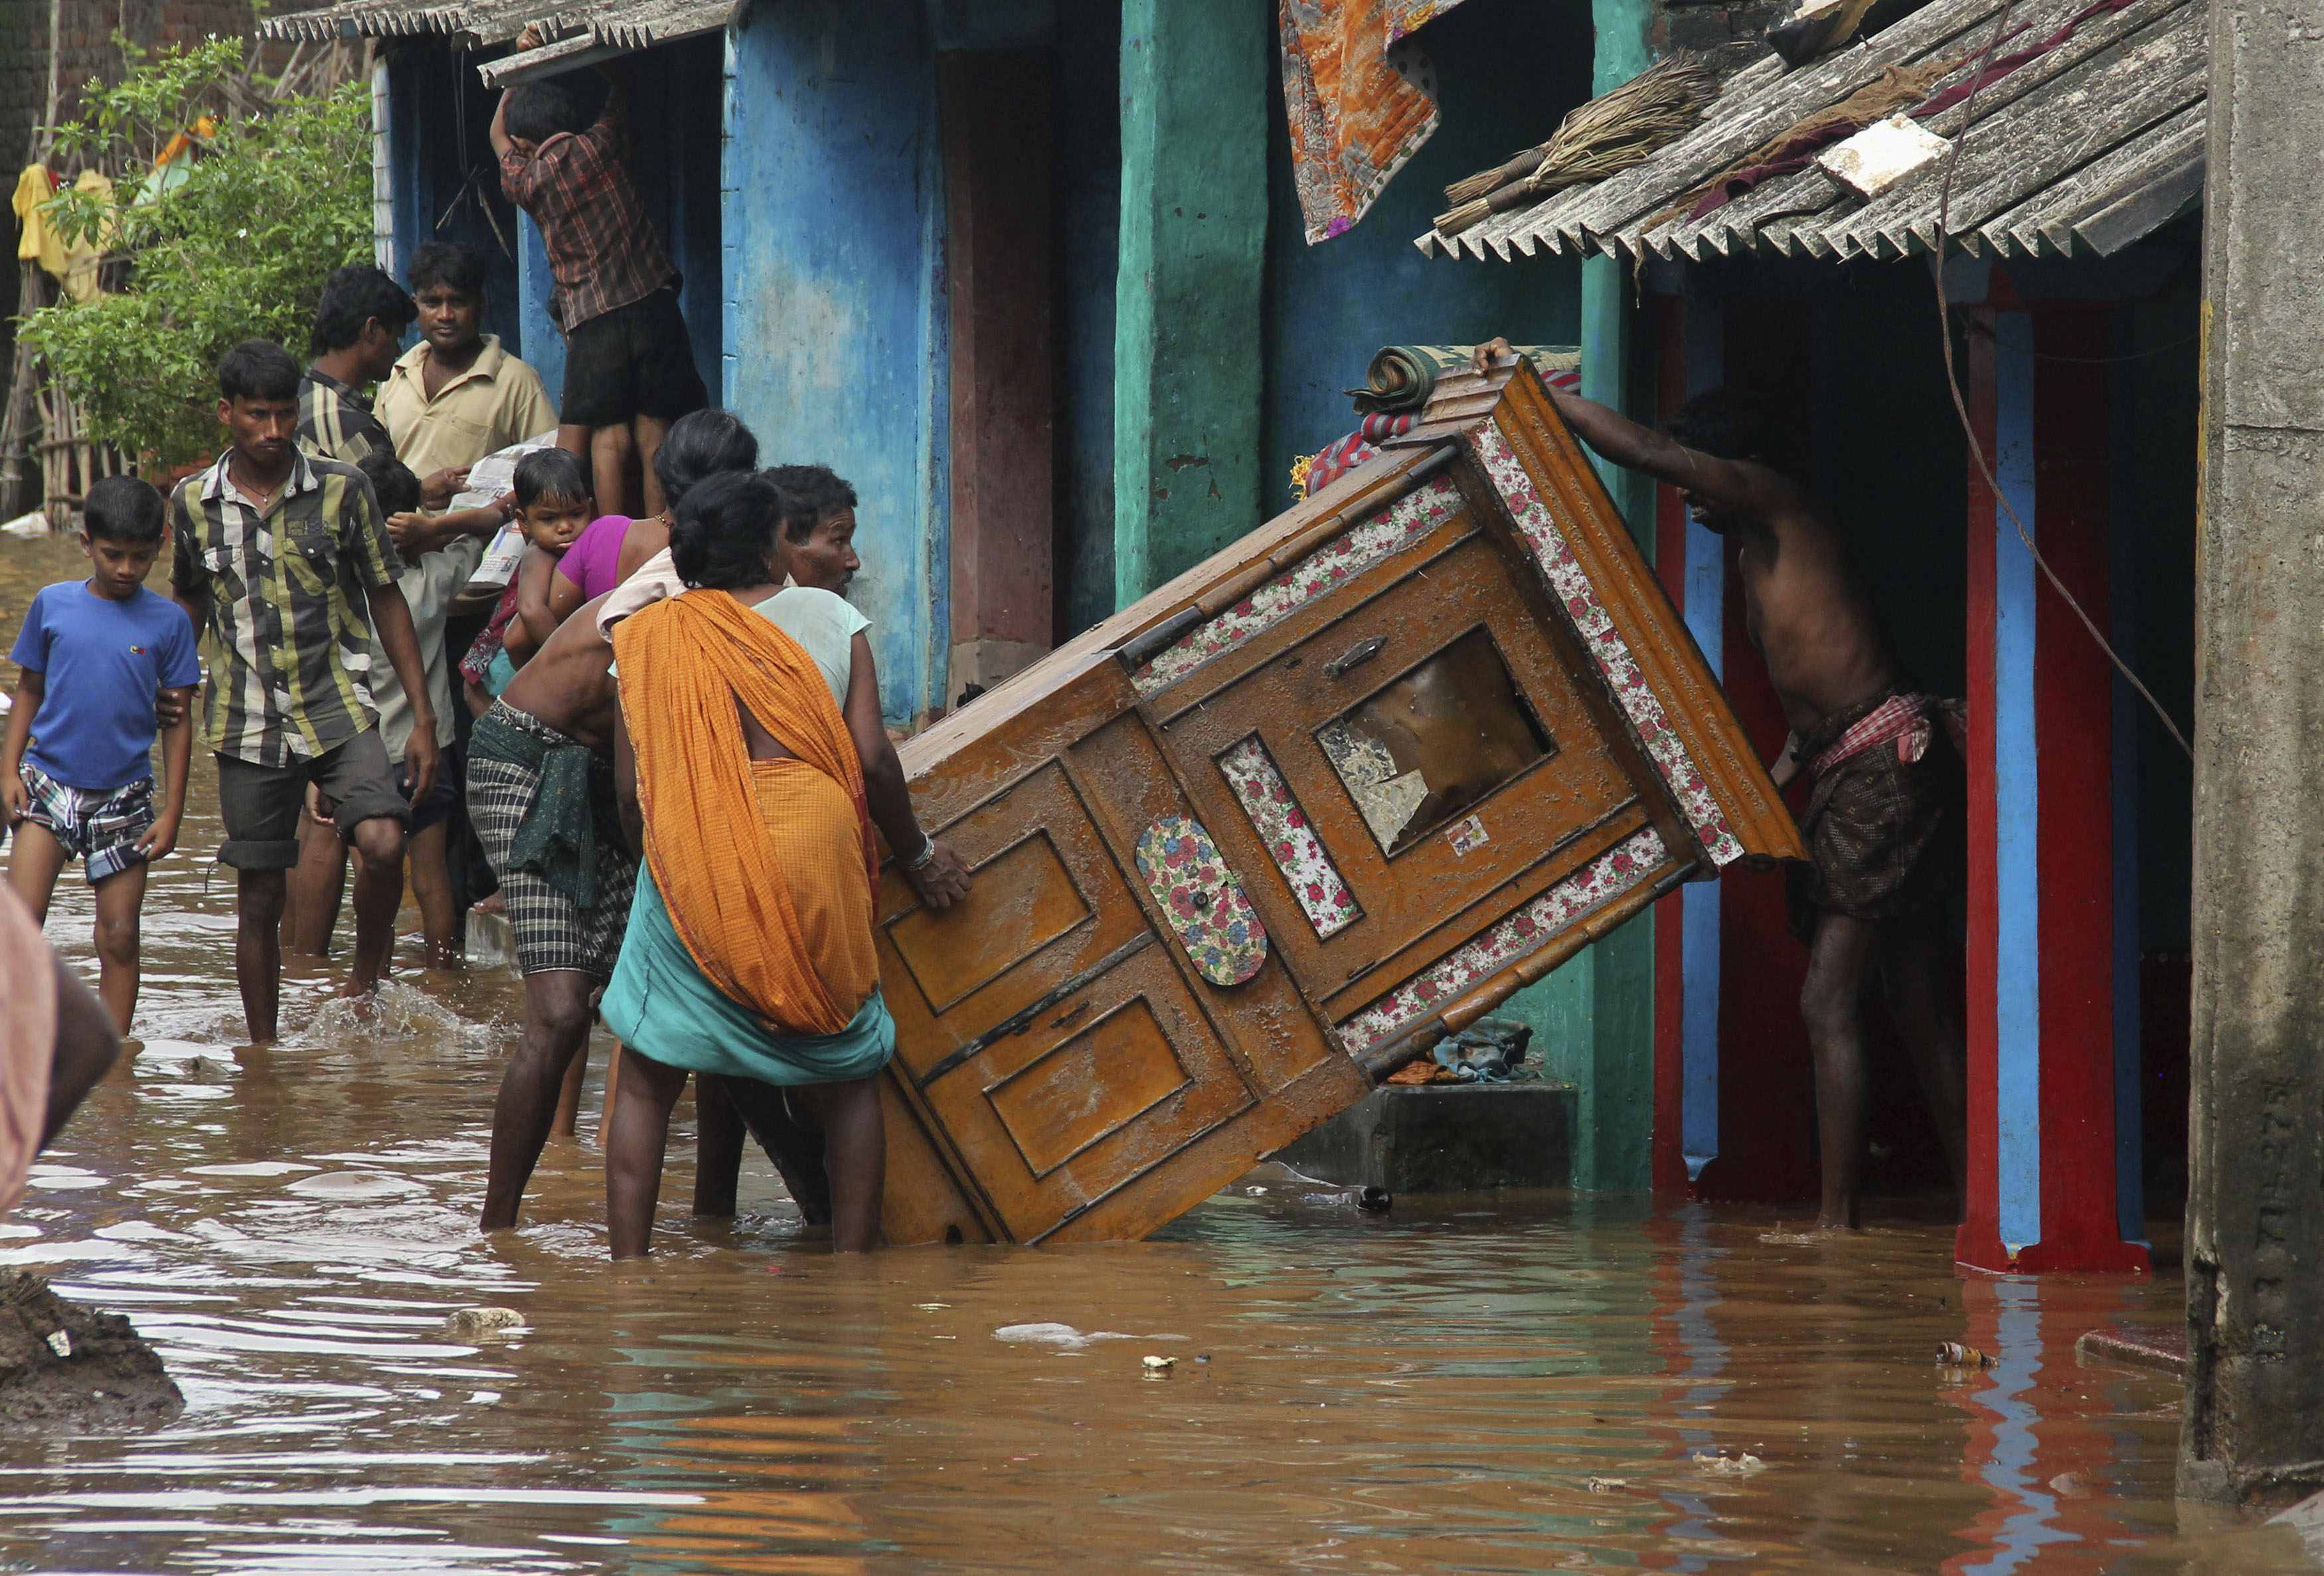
750, 764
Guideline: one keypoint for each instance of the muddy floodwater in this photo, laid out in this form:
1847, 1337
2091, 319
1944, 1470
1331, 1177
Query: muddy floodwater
1513, 1385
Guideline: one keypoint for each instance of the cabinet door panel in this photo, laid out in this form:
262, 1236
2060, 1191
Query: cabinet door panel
1046, 1031
1100, 1087
1423, 754
1047, 903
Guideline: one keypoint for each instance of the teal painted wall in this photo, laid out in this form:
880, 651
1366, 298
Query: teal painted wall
834, 348
1503, 78
1195, 79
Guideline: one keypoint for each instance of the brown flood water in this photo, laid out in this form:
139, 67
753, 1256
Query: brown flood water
1471, 1385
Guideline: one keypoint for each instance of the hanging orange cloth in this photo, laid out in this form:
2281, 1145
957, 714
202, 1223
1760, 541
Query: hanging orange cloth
717, 824
1358, 98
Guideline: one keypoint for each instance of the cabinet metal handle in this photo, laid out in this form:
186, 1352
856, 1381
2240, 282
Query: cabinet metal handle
1355, 656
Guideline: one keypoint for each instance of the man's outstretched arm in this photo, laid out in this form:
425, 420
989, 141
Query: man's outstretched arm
503, 143
1728, 484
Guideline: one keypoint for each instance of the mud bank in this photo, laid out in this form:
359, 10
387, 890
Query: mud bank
66, 1369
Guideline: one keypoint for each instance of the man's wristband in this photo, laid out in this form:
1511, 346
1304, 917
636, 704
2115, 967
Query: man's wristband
927, 856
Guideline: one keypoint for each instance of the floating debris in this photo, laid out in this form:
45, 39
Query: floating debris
1607, 1485
1158, 1368
1742, 1464
1953, 1354
1049, 1333
357, 1187
482, 1324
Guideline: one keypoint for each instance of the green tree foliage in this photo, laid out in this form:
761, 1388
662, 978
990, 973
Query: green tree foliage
277, 197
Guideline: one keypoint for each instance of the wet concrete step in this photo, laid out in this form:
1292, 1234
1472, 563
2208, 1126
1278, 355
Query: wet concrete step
1446, 1137
2161, 1351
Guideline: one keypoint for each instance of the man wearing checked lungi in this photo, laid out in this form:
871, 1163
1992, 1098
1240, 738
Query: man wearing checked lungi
1884, 821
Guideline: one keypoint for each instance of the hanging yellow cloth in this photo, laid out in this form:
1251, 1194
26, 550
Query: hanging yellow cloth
76, 262
719, 825
37, 241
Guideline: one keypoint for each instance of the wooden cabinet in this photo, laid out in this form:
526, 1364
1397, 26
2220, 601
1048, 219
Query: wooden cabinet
1251, 843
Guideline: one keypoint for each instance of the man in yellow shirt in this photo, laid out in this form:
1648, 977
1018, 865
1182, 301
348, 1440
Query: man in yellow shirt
449, 402
456, 396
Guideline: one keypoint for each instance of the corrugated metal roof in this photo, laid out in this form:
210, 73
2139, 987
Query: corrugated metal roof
613, 24
2083, 150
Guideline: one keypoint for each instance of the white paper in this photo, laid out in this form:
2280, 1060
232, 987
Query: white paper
488, 478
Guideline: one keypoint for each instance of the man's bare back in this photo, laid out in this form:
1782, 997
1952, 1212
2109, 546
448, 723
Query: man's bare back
1807, 609
568, 684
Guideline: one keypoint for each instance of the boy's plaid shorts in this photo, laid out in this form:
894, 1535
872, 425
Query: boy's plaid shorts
100, 828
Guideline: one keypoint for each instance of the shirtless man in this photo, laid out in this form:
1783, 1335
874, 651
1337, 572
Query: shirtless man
1884, 821
566, 872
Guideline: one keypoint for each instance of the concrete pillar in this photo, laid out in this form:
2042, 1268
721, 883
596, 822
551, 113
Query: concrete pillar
2255, 1409
1194, 77
1596, 1014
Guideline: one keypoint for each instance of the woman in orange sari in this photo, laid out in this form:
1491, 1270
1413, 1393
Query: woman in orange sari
750, 762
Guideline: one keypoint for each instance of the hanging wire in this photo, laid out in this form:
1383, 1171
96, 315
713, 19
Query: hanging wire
1961, 406
471, 189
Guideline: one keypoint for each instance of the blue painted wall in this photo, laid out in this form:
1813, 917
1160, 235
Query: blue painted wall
821, 226
1505, 75
833, 330
545, 347
1504, 79
438, 114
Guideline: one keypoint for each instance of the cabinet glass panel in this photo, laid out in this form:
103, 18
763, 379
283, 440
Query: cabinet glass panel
1434, 740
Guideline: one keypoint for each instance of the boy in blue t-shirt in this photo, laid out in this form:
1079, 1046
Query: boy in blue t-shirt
76, 767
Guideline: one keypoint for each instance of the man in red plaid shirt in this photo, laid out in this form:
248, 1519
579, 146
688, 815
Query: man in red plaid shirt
629, 364
1884, 822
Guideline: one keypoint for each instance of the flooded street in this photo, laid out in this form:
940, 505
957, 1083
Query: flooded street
1458, 1386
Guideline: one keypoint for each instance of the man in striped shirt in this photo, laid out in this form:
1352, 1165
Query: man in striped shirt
358, 333
354, 342
283, 564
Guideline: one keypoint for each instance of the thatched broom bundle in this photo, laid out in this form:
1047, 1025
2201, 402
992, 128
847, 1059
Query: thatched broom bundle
1608, 135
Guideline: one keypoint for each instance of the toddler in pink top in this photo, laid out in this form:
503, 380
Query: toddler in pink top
594, 562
